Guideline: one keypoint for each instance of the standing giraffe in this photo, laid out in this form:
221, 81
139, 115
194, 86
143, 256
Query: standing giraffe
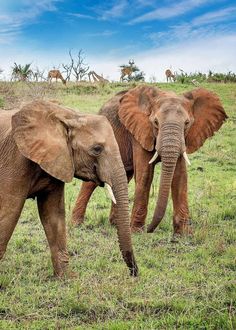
169, 75
55, 74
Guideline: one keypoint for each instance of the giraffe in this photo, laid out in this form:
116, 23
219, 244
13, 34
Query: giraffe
96, 77
55, 74
169, 75
127, 70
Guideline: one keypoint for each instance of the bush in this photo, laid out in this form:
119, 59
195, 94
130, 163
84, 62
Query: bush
185, 78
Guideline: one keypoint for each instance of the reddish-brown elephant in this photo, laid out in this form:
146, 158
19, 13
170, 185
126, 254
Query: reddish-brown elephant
152, 125
44, 145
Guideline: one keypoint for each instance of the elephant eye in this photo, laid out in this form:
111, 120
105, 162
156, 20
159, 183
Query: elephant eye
187, 122
96, 150
156, 122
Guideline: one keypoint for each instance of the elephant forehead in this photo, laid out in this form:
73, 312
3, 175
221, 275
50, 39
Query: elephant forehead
99, 122
89, 134
171, 103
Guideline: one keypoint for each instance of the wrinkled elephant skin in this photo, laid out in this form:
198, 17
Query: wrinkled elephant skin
152, 125
44, 145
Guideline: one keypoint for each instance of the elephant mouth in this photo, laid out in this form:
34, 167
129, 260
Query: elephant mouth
94, 179
89, 174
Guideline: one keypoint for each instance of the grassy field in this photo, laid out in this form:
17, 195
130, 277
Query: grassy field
186, 285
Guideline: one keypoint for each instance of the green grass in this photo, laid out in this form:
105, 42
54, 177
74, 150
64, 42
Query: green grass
1, 103
186, 285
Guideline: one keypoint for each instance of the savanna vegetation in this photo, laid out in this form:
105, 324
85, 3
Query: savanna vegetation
210, 77
188, 284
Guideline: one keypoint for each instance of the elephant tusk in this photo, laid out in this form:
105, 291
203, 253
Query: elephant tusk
186, 158
153, 158
110, 192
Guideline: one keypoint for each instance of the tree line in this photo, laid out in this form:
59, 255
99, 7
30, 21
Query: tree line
77, 69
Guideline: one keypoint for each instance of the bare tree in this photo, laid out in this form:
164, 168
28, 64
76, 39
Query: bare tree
38, 74
67, 70
78, 66
68, 67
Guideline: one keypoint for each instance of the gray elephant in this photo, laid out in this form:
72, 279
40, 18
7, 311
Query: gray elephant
44, 145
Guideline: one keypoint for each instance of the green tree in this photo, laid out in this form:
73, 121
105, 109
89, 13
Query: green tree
21, 72
130, 72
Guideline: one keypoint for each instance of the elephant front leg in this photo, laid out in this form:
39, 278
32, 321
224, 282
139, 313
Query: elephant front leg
143, 175
179, 190
81, 203
52, 215
10, 210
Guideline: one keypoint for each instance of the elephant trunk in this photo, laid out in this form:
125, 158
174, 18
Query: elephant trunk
120, 190
169, 148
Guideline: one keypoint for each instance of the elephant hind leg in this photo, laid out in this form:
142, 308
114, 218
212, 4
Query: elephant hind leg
81, 203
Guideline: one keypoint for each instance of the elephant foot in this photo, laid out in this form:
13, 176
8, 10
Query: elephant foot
77, 221
176, 238
60, 262
183, 228
65, 275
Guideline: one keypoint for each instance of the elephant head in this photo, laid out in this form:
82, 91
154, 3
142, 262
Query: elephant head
67, 144
172, 126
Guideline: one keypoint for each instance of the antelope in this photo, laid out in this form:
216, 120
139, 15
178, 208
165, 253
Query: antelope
55, 74
169, 75
127, 71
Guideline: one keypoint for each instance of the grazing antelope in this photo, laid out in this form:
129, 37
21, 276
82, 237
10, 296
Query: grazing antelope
169, 75
55, 74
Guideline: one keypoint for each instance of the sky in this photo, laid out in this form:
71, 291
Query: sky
192, 35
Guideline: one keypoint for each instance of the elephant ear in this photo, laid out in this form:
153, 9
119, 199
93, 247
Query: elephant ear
135, 108
208, 114
42, 137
